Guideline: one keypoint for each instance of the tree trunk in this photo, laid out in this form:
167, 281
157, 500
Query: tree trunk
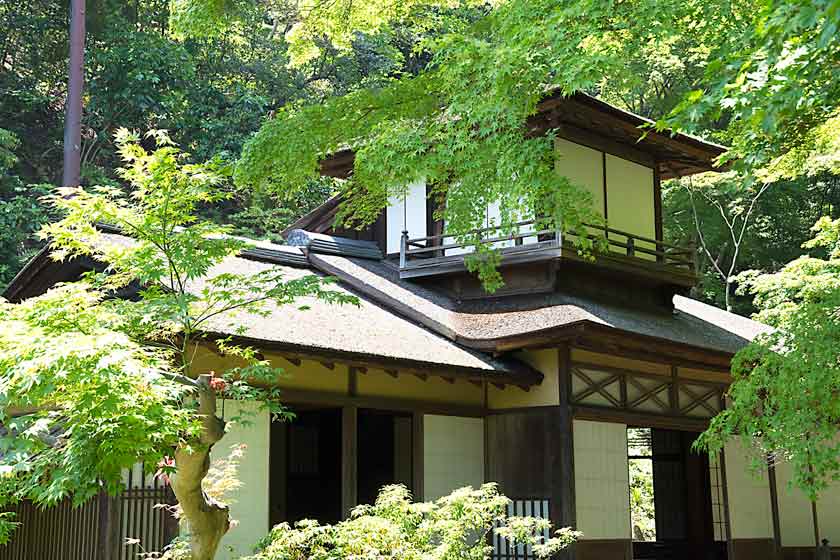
208, 519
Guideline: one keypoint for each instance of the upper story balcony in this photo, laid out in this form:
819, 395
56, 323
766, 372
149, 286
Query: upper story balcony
522, 243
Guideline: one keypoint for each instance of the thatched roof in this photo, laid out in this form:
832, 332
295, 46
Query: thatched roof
484, 324
367, 333
400, 323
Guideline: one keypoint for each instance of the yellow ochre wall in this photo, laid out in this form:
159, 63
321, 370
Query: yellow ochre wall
378, 383
630, 188
313, 377
583, 167
545, 394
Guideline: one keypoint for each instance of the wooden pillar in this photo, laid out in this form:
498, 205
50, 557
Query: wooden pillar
563, 506
349, 462
418, 465
108, 526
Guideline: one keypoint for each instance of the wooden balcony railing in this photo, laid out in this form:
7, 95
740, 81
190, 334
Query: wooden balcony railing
523, 241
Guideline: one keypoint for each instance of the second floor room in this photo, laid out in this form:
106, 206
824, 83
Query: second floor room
615, 156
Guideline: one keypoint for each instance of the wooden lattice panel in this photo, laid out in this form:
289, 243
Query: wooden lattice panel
630, 391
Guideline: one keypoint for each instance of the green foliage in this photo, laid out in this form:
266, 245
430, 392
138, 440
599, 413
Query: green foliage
777, 81
81, 399
21, 213
453, 527
93, 381
460, 124
785, 395
642, 511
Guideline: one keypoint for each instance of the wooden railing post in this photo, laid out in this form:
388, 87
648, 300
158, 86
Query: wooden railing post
631, 246
403, 248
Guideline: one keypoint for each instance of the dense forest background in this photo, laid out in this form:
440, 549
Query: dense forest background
212, 94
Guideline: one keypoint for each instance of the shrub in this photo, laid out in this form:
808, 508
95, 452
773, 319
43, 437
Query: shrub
455, 527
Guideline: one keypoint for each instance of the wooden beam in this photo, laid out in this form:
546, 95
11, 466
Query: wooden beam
392, 372
352, 382
634, 418
328, 365
292, 360
349, 460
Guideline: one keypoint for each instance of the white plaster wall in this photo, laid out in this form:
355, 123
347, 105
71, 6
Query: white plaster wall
250, 503
828, 511
795, 517
602, 487
750, 515
453, 454
409, 215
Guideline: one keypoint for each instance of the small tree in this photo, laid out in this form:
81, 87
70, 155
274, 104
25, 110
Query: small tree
456, 526
91, 384
785, 398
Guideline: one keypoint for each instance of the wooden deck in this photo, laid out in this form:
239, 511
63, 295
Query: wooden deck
524, 242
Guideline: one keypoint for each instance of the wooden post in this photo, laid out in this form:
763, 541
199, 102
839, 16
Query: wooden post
657, 211
418, 450
563, 479
631, 247
403, 248
726, 516
349, 447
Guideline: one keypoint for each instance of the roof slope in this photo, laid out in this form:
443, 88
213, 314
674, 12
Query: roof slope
403, 323
367, 332
484, 323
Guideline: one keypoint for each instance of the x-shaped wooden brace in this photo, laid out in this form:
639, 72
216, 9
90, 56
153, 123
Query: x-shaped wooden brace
699, 400
648, 393
596, 387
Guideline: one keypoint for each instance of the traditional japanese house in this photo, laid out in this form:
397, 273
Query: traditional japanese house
557, 386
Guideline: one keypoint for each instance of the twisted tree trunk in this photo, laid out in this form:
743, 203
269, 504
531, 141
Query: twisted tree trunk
208, 519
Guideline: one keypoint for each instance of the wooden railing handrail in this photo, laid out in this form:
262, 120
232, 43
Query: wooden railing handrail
633, 244
603, 228
487, 241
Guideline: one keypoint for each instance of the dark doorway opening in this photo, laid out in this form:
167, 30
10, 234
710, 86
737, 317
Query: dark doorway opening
305, 477
385, 452
671, 498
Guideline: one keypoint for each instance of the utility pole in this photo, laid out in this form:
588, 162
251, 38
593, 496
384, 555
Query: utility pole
75, 84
